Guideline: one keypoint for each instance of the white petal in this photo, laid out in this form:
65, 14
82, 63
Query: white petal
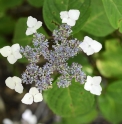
88, 40
87, 87
88, 83
97, 80
10, 83
100, 88
96, 46
38, 97
27, 99
89, 79
15, 47
96, 90
33, 91
29, 31
74, 14
34, 30
31, 22
11, 59
27, 114
32, 120
89, 51
7, 121
64, 20
19, 88
17, 80
17, 55
63, 14
93, 85
15, 51
6, 51
38, 25
84, 46
93, 46
71, 22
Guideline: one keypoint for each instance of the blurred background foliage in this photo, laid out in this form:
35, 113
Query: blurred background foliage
99, 19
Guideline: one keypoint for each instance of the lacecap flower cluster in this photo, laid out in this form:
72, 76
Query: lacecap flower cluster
64, 48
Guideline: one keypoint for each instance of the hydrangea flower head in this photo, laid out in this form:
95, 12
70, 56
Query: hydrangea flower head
90, 46
12, 53
93, 85
64, 47
33, 95
33, 25
14, 83
70, 16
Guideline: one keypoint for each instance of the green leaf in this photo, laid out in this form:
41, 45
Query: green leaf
89, 117
43, 31
79, 35
36, 3
71, 101
82, 119
52, 9
113, 10
98, 23
23, 60
7, 25
110, 61
3, 42
114, 90
111, 110
6, 4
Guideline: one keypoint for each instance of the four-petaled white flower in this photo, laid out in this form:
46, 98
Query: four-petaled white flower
33, 25
93, 85
14, 83
29, 117
70, 16
7, 121
12, 53
90, 46
33, 95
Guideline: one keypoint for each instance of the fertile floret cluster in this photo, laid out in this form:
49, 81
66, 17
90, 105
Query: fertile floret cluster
64, 47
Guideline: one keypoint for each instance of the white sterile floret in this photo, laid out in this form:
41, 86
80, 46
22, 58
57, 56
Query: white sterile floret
93, 85
12, 53
7, 121
90, 46
70, 16
29, 117
14, 83
33, 25
33, 95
